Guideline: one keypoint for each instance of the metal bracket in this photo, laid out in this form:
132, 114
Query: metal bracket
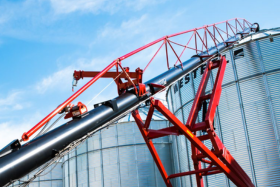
11, 147
111, 103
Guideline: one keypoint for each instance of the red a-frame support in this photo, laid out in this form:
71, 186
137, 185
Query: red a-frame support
218, 160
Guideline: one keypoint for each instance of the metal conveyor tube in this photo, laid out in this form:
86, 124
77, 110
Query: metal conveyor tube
42, 149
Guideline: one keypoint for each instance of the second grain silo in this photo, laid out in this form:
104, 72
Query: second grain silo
118, 157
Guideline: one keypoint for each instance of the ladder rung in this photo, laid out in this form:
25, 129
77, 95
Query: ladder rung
205, 97
192, 172
206, 161
199, 126
215, 65
211, 173
203, 137
200, 156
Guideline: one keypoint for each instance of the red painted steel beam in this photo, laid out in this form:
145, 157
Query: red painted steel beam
198, 127
192, 172
149, 117
153, 56
83, 74
200, 92
198, 28
175, 53
186, 47
163, 132
151, 148
203, 137
166, 52
197, 166
206, 161
199, 145
215, 97
219, 148
211, 173
234, 166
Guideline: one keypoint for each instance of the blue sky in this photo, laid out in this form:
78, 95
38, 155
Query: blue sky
43, 41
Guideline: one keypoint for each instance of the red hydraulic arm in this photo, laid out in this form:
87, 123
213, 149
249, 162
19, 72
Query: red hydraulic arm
133, 78
198, 42
218, 159
26, 135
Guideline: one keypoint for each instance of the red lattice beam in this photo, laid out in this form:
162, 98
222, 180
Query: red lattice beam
166, 40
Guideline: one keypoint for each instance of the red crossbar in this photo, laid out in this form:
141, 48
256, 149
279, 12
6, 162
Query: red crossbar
219, 159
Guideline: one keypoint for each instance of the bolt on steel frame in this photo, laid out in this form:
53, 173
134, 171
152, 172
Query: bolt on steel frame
219, 159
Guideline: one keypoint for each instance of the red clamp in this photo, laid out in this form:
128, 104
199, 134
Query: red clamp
76, 111
130, 79
153, 87
142, 89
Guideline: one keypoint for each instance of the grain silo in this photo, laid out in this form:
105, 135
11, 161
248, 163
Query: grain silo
248, 115
117, 156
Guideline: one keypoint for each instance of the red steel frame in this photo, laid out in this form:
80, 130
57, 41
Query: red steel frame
219, 159
133, 78
211, 32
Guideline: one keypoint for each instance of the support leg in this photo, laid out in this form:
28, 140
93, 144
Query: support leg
152, 148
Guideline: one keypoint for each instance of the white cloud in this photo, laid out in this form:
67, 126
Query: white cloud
140, 30
67, 6
58, 80
62, 79
97, 6
15, 10
10, 132
12, 101
14, 130
3, 19
132, 26
143, 29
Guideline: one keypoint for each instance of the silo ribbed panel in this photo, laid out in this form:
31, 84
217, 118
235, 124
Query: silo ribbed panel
248, 114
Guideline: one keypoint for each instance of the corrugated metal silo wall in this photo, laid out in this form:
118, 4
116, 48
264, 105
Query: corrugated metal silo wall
117, 157
248, 114
51, 177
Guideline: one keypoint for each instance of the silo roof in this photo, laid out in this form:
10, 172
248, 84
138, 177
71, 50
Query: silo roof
259, 35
